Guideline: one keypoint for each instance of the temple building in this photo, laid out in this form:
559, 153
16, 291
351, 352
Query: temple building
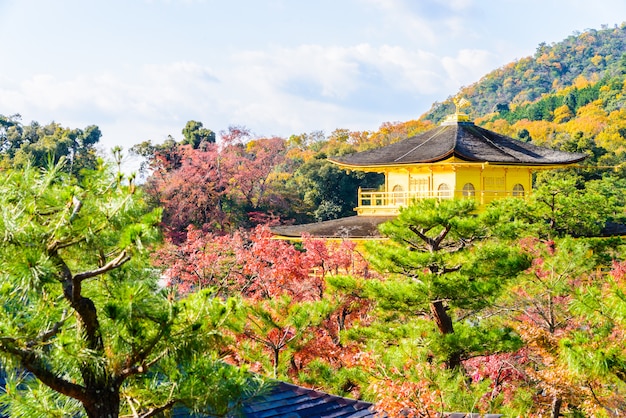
455, 160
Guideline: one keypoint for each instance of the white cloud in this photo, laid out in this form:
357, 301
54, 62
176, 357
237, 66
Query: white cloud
273, 69
468, 66
274, 91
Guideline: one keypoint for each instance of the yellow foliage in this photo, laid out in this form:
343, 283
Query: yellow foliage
612, 137
562, 114
540, 131
590, 120
500, 126
306, 154
592, 109
543, 59
581, 82
597, 59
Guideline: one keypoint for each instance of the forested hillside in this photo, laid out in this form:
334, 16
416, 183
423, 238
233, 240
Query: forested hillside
592, 55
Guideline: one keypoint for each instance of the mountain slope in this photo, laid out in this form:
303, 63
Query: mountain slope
584, 57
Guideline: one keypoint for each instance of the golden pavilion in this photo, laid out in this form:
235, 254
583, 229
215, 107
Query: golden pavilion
455, 160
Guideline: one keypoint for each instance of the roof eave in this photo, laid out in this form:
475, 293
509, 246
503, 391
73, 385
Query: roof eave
386, 166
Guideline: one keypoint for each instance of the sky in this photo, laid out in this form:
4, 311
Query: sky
140, 69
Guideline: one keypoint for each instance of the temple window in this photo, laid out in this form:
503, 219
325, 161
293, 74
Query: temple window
444, 190
493, 184
419, 185
398, 195
518, 190
469, 190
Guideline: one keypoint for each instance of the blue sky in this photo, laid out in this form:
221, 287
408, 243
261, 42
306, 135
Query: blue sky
140, 69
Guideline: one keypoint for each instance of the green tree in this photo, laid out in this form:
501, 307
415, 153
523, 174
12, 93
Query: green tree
85, 325
329, 190
37, 144
562, 204
447, 271
194, 134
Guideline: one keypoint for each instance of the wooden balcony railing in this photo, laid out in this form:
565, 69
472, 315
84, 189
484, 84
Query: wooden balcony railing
376, 202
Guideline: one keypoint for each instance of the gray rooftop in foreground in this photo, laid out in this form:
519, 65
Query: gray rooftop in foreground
287, 400
292, 401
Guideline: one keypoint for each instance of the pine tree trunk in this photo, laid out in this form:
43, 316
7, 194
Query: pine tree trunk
442, 319
444, 323
105, 404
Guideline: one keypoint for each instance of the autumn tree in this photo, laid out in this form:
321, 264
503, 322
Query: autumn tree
593, 350
84, 323
253, 168
257, 266
298, 299
217, 187
192, 193
540, 301
278, 325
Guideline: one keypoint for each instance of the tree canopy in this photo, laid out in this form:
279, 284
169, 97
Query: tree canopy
41, 145
85, 324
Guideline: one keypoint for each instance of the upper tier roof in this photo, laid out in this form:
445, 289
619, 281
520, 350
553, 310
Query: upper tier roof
463, 140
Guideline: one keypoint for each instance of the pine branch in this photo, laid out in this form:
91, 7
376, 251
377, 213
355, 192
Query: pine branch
142, 355
142, 368
44, 336
157, 410
122, 258
150, 412
35, 365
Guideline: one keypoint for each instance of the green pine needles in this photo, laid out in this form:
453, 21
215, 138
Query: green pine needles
85, 330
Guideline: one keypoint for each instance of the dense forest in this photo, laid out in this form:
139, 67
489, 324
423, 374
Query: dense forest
152, 292
592, 55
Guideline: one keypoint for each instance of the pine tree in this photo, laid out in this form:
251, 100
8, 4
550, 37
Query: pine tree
85, 328
445, 269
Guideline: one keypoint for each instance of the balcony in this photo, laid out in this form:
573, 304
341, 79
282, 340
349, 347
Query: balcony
378, 203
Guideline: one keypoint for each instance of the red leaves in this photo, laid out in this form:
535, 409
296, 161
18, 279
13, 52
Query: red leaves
252, 264
505, 371
192, 191
277, 280
277, 267
256, 265
335, 257
214, 187
618, 270
409, 392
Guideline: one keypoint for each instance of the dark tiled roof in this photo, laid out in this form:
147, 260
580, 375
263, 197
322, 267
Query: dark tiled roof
282, 399
463, 140
350, 227
612, 229
287, 400
291, 401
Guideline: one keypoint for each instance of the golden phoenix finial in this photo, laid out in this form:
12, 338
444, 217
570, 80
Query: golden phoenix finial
460, 103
